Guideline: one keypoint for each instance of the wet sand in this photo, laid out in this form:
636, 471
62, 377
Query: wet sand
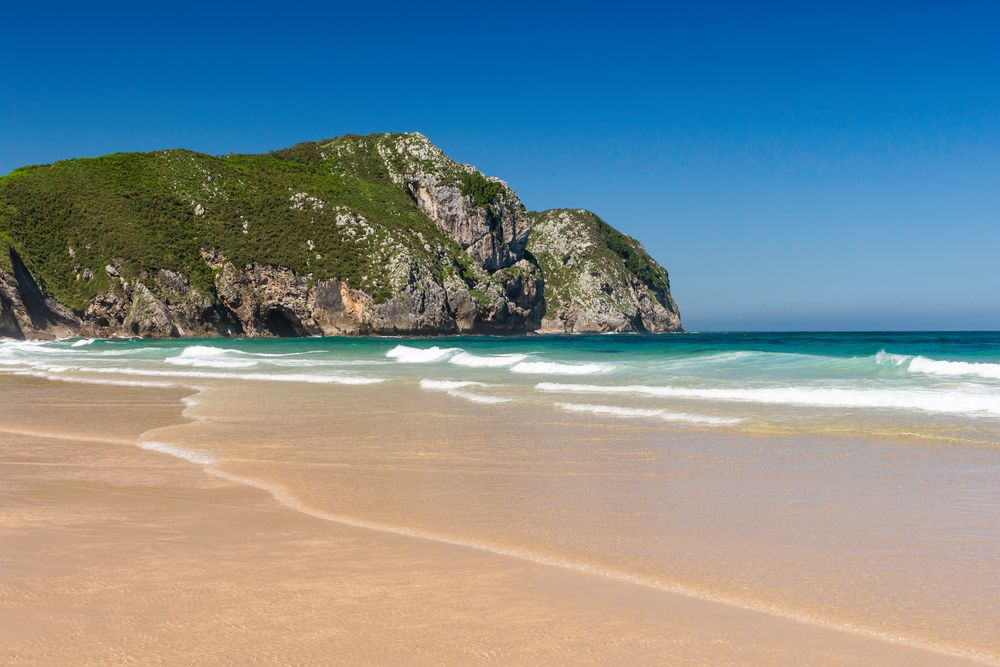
111, 554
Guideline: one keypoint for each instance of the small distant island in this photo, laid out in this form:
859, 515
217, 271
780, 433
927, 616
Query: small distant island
359, 235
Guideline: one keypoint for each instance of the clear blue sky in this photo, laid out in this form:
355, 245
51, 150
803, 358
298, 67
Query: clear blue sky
795, 165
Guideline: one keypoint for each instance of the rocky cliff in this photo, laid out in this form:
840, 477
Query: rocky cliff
377, 234
598, 279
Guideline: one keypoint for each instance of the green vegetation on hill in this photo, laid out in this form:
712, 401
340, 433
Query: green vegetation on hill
483, 191
326, 209
637, 260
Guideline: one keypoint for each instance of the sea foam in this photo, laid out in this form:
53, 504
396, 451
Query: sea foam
61, 376
256, 377
108, 382
179, 452
952, 402
936, 367
486, 361
883, 358
617, 411
455, 388
553, 368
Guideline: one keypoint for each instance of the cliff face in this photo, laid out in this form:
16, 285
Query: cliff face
381, 234
26, 309
481, 213
598, 279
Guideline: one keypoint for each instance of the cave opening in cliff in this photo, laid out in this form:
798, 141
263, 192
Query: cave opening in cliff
281, 323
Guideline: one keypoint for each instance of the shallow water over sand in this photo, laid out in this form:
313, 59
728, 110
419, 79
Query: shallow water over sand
883, 537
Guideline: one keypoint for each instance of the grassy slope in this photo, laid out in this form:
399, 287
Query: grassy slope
141, 207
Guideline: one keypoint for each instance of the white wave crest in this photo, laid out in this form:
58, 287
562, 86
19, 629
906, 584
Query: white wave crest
179, 452
209, 357
82, 342
420, 355
553, 368
950, 402
455, 388
936, 367
490, 361
883, 358
928, 366
617, 411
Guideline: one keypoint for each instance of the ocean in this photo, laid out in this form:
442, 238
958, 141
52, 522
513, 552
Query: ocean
931, 384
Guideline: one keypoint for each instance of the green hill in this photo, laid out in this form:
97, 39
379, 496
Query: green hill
358, 234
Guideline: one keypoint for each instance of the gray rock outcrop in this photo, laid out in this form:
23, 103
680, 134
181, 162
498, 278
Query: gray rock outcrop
26, 311
597, 279
494, 230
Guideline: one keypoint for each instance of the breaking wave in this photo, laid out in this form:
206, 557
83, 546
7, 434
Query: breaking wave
420, 355
210, 357
928, 366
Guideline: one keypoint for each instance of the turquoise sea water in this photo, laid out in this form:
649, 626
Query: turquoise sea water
935, 383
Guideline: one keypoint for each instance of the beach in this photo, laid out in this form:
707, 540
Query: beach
392, 506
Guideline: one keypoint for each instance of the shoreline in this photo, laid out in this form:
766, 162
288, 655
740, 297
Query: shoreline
582, 577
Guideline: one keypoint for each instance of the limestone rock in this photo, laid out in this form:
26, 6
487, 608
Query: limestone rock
598, 279
493, 228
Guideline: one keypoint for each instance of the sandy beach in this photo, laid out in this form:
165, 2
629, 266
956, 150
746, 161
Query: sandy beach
112, 554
